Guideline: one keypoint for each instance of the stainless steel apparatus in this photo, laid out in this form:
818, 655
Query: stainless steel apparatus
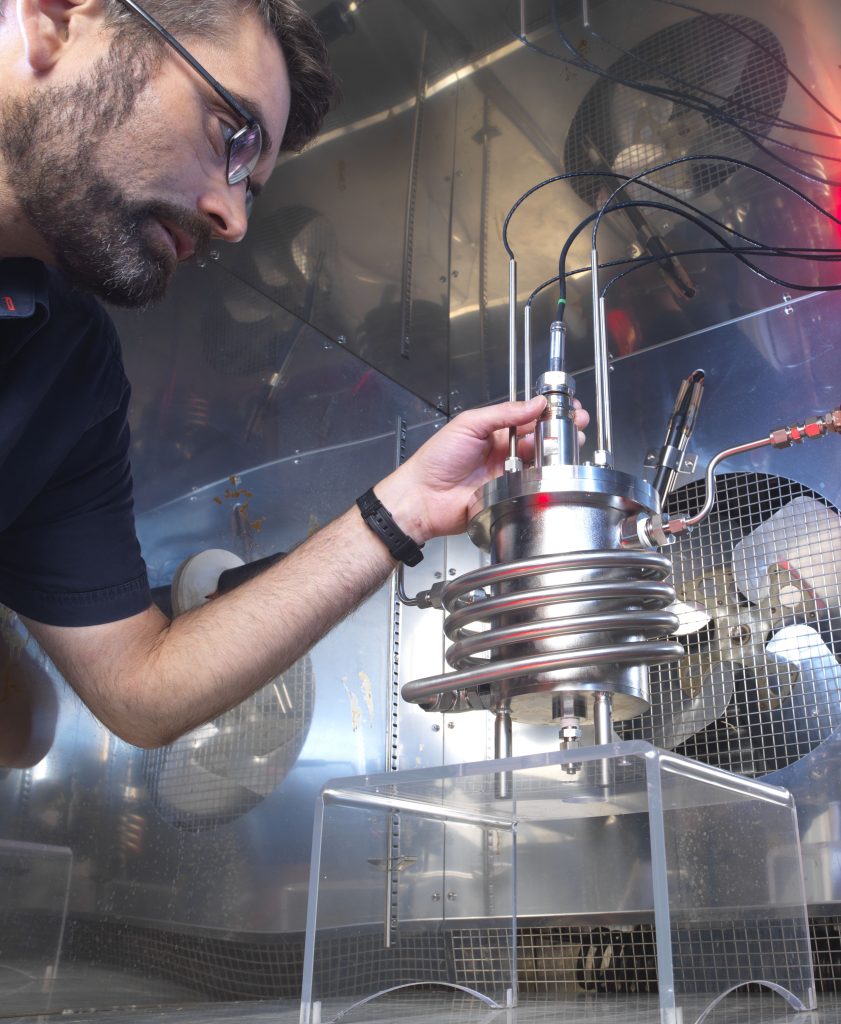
564, 622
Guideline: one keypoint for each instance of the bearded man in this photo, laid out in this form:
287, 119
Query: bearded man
130, 137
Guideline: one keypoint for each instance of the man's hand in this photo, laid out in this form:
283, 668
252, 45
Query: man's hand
429, 495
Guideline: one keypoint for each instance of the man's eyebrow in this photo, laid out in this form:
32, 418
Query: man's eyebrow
256, 111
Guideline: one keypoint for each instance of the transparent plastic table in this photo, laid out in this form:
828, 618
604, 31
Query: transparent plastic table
715, 855
34, 893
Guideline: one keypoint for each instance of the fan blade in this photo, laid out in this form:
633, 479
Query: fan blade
803, 538
814, 707
678, 717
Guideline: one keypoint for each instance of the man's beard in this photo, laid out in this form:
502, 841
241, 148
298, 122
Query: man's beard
102, 241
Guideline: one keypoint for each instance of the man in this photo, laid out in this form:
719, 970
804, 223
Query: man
120, 156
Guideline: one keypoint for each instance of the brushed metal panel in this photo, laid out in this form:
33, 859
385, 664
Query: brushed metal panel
353, 235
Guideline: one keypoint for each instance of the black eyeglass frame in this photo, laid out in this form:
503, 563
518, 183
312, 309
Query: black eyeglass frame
251, 123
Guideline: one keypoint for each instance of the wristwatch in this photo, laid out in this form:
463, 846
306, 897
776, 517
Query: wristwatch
377, 516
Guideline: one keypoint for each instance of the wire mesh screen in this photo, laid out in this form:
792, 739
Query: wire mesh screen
553, 957
759, 603
729, 63
219, 771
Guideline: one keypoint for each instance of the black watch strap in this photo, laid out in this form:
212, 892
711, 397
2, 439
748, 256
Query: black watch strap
377, 516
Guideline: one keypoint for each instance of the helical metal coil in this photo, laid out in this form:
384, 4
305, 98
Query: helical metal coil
627, 605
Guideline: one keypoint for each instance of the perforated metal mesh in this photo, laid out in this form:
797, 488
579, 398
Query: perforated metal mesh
216, 773
759, 586
553, 958
628, 130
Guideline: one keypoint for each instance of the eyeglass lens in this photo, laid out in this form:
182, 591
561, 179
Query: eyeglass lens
244, 151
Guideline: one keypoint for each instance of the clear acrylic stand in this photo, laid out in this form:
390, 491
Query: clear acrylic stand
721, 870
34, 891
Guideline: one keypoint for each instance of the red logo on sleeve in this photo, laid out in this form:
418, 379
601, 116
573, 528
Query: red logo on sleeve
10, 305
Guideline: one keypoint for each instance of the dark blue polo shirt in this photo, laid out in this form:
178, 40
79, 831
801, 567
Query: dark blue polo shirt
69, 555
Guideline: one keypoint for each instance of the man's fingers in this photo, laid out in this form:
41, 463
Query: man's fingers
485, 421
582, 417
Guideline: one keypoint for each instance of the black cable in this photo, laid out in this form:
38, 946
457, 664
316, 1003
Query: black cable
694, 104
799, 253
625, 178
643, 203
724, 159
774, 280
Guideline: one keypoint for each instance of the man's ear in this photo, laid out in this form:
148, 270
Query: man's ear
45, 27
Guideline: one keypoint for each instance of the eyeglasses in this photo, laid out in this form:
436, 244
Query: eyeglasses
245, 145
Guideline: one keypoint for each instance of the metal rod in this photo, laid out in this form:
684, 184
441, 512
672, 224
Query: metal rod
602, 718
603, 733
607, 424
528, 382
503, 735
523, 18
503, 747
585, 12
512, 350
598, 352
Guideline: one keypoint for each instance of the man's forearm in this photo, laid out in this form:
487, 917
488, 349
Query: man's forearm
150, 681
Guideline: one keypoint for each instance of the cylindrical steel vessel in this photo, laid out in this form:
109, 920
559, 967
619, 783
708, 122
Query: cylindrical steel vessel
562, 609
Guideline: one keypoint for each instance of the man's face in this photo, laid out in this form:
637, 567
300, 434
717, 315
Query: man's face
122, 172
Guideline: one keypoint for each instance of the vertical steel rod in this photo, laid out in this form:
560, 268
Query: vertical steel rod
598, 350
528, 383
512, 352
607, 423
603, 732
503, 747
602, 718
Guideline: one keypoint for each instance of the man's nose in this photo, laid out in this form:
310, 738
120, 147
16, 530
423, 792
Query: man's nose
225, 208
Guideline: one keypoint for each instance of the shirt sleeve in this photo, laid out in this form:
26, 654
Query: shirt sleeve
73, 558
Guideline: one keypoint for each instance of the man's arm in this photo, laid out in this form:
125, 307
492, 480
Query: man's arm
151, 680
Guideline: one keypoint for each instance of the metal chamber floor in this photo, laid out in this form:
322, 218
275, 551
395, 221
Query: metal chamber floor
426, 1007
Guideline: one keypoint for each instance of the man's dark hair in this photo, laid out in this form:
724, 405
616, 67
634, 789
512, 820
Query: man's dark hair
311, 80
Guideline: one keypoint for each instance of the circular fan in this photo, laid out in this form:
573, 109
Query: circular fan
218, 772
630, 130
759, 598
